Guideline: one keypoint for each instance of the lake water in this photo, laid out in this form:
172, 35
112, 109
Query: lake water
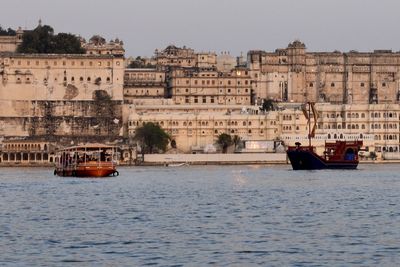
202, 216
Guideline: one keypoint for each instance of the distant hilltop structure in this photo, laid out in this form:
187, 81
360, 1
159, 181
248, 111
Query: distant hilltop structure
294, 75
97, 45
184, 57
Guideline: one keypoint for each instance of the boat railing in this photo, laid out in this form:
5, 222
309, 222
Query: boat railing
94, 163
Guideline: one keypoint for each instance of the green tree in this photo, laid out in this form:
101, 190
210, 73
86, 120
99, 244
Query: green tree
151, 136
66, 43
224, 140
42, 40
268, 105
8, 32
236, 140
139, 62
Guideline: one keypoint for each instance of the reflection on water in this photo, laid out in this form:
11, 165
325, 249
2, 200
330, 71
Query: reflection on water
202, 215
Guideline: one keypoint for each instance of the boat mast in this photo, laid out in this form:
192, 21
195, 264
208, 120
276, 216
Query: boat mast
309, 124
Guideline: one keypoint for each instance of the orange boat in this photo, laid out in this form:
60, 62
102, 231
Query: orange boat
91, 160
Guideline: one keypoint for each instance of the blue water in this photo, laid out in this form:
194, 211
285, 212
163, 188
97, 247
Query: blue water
202, 215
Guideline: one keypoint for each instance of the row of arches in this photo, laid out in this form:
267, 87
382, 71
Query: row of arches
25, 147
356, 115
384, 114
31, 157
390, 149
386, 137
340, 136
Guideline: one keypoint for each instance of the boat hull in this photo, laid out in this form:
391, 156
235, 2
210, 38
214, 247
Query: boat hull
88, 171
308, 160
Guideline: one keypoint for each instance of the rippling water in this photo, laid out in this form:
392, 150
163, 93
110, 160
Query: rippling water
202, 215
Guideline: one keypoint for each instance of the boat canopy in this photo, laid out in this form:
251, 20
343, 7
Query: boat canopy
86, 147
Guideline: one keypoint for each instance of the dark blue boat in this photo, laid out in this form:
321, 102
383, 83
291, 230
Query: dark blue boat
337, 155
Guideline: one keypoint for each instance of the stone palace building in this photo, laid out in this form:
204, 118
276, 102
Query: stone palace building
48, 100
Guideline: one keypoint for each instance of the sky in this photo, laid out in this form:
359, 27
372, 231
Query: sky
236, 26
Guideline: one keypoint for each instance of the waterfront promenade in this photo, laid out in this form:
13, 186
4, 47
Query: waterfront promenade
199, 159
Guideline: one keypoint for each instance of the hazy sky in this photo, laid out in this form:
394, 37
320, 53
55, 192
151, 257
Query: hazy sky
218, 25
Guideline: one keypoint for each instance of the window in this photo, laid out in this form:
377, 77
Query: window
332, 84
311, 85
362, 84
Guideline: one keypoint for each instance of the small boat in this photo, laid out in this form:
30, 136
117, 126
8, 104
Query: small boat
91, 160
337, 155
176, 164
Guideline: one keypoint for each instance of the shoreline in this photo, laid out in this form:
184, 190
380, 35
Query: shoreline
198, 160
